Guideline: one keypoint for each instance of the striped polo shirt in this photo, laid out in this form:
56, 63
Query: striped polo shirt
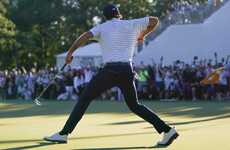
117, 38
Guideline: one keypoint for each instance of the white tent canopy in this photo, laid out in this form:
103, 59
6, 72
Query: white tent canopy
89, 52
183, 42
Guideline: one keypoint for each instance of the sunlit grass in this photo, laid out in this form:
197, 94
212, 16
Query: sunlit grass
111, 126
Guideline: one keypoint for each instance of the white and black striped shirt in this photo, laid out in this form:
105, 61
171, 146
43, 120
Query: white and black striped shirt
117, 38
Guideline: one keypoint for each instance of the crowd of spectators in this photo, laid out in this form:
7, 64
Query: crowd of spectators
191, 11
182, 81
156, 81
184, 12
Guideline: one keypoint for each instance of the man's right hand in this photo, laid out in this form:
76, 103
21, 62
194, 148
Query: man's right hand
68, 58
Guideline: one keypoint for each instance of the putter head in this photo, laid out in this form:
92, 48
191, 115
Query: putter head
36, 101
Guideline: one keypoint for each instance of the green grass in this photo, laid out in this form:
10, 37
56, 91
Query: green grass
109, 125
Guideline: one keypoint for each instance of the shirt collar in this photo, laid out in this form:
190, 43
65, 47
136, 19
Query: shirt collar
114, 19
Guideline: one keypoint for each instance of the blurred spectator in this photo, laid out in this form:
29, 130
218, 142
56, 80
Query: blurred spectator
69, 83
142, 82
61, 90
8, 87
21, 89
2, 84
174, 90
186, 79
30, 79
152, 91
210, 88
114, 93
39, 83
171, 82
168, 78
27, 93
197, 88
88, 72
222, 87
159, 79
151, 75
193, 82
78, 82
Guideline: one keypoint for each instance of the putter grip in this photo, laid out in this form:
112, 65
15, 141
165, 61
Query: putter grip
65, 64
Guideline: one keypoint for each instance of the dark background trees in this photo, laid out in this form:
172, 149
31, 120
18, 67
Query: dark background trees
38, 30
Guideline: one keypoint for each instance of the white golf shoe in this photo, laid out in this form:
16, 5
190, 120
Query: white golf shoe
56, 138
168, 137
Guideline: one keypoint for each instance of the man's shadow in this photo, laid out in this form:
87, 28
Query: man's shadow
40, 144
43, 144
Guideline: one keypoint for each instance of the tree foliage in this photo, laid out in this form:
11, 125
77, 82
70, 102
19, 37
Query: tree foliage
7, 39
38, 30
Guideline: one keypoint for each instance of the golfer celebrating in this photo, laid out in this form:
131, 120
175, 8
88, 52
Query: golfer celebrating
117, 40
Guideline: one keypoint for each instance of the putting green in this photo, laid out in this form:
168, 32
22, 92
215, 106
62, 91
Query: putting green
109, 125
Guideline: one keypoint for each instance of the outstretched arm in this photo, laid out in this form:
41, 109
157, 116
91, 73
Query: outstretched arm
77, 44
223, 68
90, 64
154, 65
153, 22
227, 59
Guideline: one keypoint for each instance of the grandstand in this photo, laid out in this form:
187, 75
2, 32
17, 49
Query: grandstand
184, 41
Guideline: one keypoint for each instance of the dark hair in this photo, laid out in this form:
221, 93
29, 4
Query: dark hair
111, 11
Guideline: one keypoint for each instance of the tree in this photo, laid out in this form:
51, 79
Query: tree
46, 28
7, 40
36, 22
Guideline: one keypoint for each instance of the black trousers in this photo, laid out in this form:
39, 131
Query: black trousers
122, 76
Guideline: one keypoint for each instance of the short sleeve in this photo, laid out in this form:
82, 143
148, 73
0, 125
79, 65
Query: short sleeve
141, 24
96, 33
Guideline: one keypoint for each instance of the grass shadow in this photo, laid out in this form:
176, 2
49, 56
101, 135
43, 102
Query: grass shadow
77, 138
110, 135
174, 123
40, 144
124, 148
22, 108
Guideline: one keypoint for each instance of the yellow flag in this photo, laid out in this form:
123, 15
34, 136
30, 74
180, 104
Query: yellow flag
212, 78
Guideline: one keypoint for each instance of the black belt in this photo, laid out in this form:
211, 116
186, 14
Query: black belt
118, 64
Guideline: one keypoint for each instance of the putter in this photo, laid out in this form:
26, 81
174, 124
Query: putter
36, 101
